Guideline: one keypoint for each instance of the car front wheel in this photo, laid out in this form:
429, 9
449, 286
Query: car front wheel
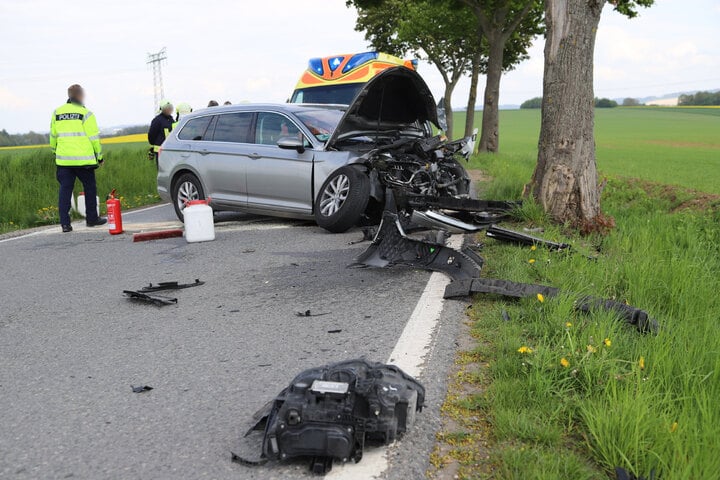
342, 200
185, 189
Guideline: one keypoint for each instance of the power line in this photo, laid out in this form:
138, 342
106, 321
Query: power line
156, 59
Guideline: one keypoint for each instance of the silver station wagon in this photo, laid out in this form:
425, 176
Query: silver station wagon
332, 163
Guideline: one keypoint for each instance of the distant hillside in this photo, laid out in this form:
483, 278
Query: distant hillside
669, 99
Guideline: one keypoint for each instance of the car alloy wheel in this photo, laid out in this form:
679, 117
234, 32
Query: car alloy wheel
187, 192
334, 195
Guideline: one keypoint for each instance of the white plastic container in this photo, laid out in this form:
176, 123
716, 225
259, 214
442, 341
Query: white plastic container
199, 225
81, 204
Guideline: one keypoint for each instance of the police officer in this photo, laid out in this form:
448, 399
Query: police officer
75, 139
160, 127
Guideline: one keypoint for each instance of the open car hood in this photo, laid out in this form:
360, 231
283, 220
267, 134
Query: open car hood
394, 98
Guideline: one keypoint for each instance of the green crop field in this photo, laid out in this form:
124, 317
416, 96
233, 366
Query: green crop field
677, 146
29, 194
555, 394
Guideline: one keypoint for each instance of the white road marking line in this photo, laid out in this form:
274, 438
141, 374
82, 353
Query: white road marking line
409, 354
140, 210
77, 226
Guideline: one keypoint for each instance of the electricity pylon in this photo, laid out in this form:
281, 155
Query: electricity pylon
156, 59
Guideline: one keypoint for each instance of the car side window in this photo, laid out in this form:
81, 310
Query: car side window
233, 127
195, 129
271, 127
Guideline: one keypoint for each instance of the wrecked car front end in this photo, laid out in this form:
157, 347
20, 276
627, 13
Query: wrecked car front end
389, 131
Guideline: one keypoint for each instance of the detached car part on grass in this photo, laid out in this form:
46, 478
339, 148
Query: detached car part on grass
328, 413
392, 246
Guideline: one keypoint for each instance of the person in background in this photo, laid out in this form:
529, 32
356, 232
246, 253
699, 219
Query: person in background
75, 140
181, 110
227, 102
212, 103
160, 127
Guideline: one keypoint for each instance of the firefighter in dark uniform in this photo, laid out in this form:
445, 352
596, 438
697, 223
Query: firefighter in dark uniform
75, 140
160, 127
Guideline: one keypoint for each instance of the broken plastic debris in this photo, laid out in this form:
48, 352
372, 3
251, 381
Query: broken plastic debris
141, 388
158, 300
308, 313
171, 286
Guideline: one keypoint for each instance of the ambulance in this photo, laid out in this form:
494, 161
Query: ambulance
338, 78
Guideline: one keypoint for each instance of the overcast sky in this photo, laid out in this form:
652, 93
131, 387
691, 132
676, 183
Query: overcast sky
241, 50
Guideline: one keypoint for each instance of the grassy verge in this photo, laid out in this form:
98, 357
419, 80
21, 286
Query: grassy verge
29, 194
553, 394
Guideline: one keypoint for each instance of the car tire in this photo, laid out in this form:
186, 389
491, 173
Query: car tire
187, 187
342, 199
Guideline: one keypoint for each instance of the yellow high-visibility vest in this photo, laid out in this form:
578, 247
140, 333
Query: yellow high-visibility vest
74, 136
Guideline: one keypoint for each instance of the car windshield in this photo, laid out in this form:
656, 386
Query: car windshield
321, 122
342, 94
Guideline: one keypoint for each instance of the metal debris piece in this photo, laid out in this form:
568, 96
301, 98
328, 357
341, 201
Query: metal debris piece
327, 413
308, 313
154, 299
433, 219
507, 235
631, 315
391, 246
467, 205
338, 330
505, 315
141, 388
171, 286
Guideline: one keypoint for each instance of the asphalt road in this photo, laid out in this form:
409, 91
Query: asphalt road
71, 345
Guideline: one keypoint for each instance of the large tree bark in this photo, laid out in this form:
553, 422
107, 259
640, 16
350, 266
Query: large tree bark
472, 96
490, 133
565, 180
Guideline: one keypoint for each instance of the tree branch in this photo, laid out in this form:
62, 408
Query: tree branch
518, 19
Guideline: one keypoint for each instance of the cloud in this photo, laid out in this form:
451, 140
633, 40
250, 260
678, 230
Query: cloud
12, 101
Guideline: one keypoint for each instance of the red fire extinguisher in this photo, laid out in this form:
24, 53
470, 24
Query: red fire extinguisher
114, 213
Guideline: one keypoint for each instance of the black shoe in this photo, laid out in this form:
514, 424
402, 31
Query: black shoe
67, 228
96, 223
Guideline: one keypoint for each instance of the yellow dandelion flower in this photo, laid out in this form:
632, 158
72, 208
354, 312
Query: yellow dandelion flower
524, 349
533, 248
531, 261
564, 362
607, 342
673, 427
568, 324
591, 349
540, 297
641, 362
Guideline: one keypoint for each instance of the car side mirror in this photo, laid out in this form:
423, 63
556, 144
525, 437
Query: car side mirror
292, 143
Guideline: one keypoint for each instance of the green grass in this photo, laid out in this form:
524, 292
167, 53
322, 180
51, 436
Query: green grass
675, 146
641, 402
29, 195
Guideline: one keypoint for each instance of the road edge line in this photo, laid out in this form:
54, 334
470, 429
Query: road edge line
409, 353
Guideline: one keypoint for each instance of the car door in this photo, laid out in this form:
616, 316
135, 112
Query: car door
279, 179
224, 159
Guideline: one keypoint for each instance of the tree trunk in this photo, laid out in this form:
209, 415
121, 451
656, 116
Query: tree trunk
449, 87
490, 133
472, 97
565, 180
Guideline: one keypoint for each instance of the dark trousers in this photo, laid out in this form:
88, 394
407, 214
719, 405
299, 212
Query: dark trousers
66, 177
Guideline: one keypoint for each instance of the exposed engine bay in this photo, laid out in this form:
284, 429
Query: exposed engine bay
423, 166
